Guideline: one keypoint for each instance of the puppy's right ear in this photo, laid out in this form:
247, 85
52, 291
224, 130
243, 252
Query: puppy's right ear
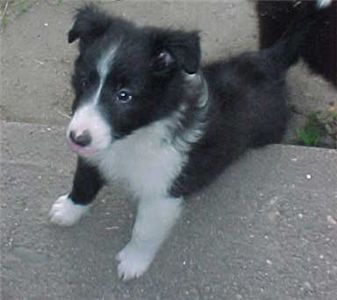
90, 23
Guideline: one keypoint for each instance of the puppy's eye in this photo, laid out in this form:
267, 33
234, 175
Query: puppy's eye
84, 83
124, 96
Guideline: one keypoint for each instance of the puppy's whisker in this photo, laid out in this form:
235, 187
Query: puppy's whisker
63, 114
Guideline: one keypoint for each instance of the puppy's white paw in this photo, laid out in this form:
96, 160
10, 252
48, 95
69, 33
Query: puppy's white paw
65, 213
133, 261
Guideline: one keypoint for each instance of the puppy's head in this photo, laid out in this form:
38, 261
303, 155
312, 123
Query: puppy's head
125, 77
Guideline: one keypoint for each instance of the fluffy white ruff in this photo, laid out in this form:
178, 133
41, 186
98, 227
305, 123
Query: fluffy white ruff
65, 213
150, 158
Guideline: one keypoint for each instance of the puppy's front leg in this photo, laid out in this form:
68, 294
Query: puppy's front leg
68, 209
155, 218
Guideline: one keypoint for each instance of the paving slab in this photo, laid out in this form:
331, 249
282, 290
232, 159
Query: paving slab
266, 229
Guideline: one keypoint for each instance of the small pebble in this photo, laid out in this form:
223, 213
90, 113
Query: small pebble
308, 176
307, 286
331, 220
112, 228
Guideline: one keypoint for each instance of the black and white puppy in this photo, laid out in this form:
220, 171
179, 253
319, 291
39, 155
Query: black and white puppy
148, 115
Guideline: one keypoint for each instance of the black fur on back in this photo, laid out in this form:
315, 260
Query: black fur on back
247, 109
248, 106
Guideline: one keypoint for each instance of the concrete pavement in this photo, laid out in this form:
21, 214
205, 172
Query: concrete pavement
267, 229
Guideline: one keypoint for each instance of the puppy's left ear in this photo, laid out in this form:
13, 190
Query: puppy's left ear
90, 23
172, 49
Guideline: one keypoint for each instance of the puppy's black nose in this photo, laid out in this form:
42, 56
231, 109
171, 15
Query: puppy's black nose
84, 139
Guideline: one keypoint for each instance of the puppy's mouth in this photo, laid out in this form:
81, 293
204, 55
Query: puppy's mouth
85, 151
89, 150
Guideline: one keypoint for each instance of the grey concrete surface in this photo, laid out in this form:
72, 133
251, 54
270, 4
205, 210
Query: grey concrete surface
267, 229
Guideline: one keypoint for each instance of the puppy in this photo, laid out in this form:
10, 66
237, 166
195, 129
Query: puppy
146, 114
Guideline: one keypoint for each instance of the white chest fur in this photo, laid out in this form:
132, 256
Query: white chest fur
145, 160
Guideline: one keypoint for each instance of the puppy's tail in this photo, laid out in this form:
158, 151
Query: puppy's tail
286, 51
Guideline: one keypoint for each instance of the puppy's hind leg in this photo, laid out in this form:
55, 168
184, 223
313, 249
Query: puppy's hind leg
68, 209
154, 221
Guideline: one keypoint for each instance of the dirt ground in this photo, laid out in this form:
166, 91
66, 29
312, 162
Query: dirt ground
36, 60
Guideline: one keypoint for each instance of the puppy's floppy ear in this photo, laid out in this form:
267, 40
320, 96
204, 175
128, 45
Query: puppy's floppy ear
89, 23
174, 48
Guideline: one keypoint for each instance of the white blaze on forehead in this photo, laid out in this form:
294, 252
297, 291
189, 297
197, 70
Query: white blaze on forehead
106, 61
88, 117
103, 67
